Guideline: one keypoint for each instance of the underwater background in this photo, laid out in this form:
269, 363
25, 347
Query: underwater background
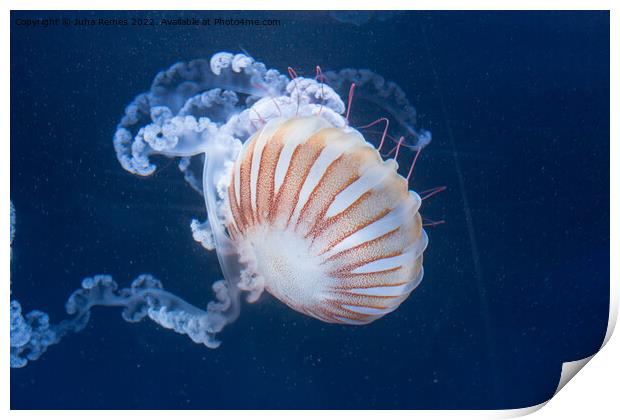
516, 281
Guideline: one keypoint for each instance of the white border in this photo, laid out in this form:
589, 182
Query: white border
594, 394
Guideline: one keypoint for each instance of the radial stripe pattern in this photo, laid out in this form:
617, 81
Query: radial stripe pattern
329, 227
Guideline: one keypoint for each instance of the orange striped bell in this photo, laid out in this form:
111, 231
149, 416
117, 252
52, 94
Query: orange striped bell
323, 223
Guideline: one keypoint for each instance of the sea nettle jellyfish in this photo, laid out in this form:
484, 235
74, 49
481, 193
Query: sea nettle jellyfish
299, 203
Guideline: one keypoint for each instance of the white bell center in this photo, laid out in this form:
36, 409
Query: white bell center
283, 260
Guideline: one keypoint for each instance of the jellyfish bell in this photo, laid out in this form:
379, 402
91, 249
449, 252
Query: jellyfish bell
322, 223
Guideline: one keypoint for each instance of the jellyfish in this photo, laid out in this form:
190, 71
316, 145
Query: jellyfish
299, 204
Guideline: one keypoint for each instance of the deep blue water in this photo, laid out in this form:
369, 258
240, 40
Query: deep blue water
523, 99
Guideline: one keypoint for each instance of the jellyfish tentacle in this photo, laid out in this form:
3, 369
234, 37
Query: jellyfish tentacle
168, 135
191, 103
32, 333
243, 74
304, 97
385, 94
153, 123
251, 283
306, 91
203, 234
194, 181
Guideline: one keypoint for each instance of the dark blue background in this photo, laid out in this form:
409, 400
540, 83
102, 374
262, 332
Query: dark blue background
522, 98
